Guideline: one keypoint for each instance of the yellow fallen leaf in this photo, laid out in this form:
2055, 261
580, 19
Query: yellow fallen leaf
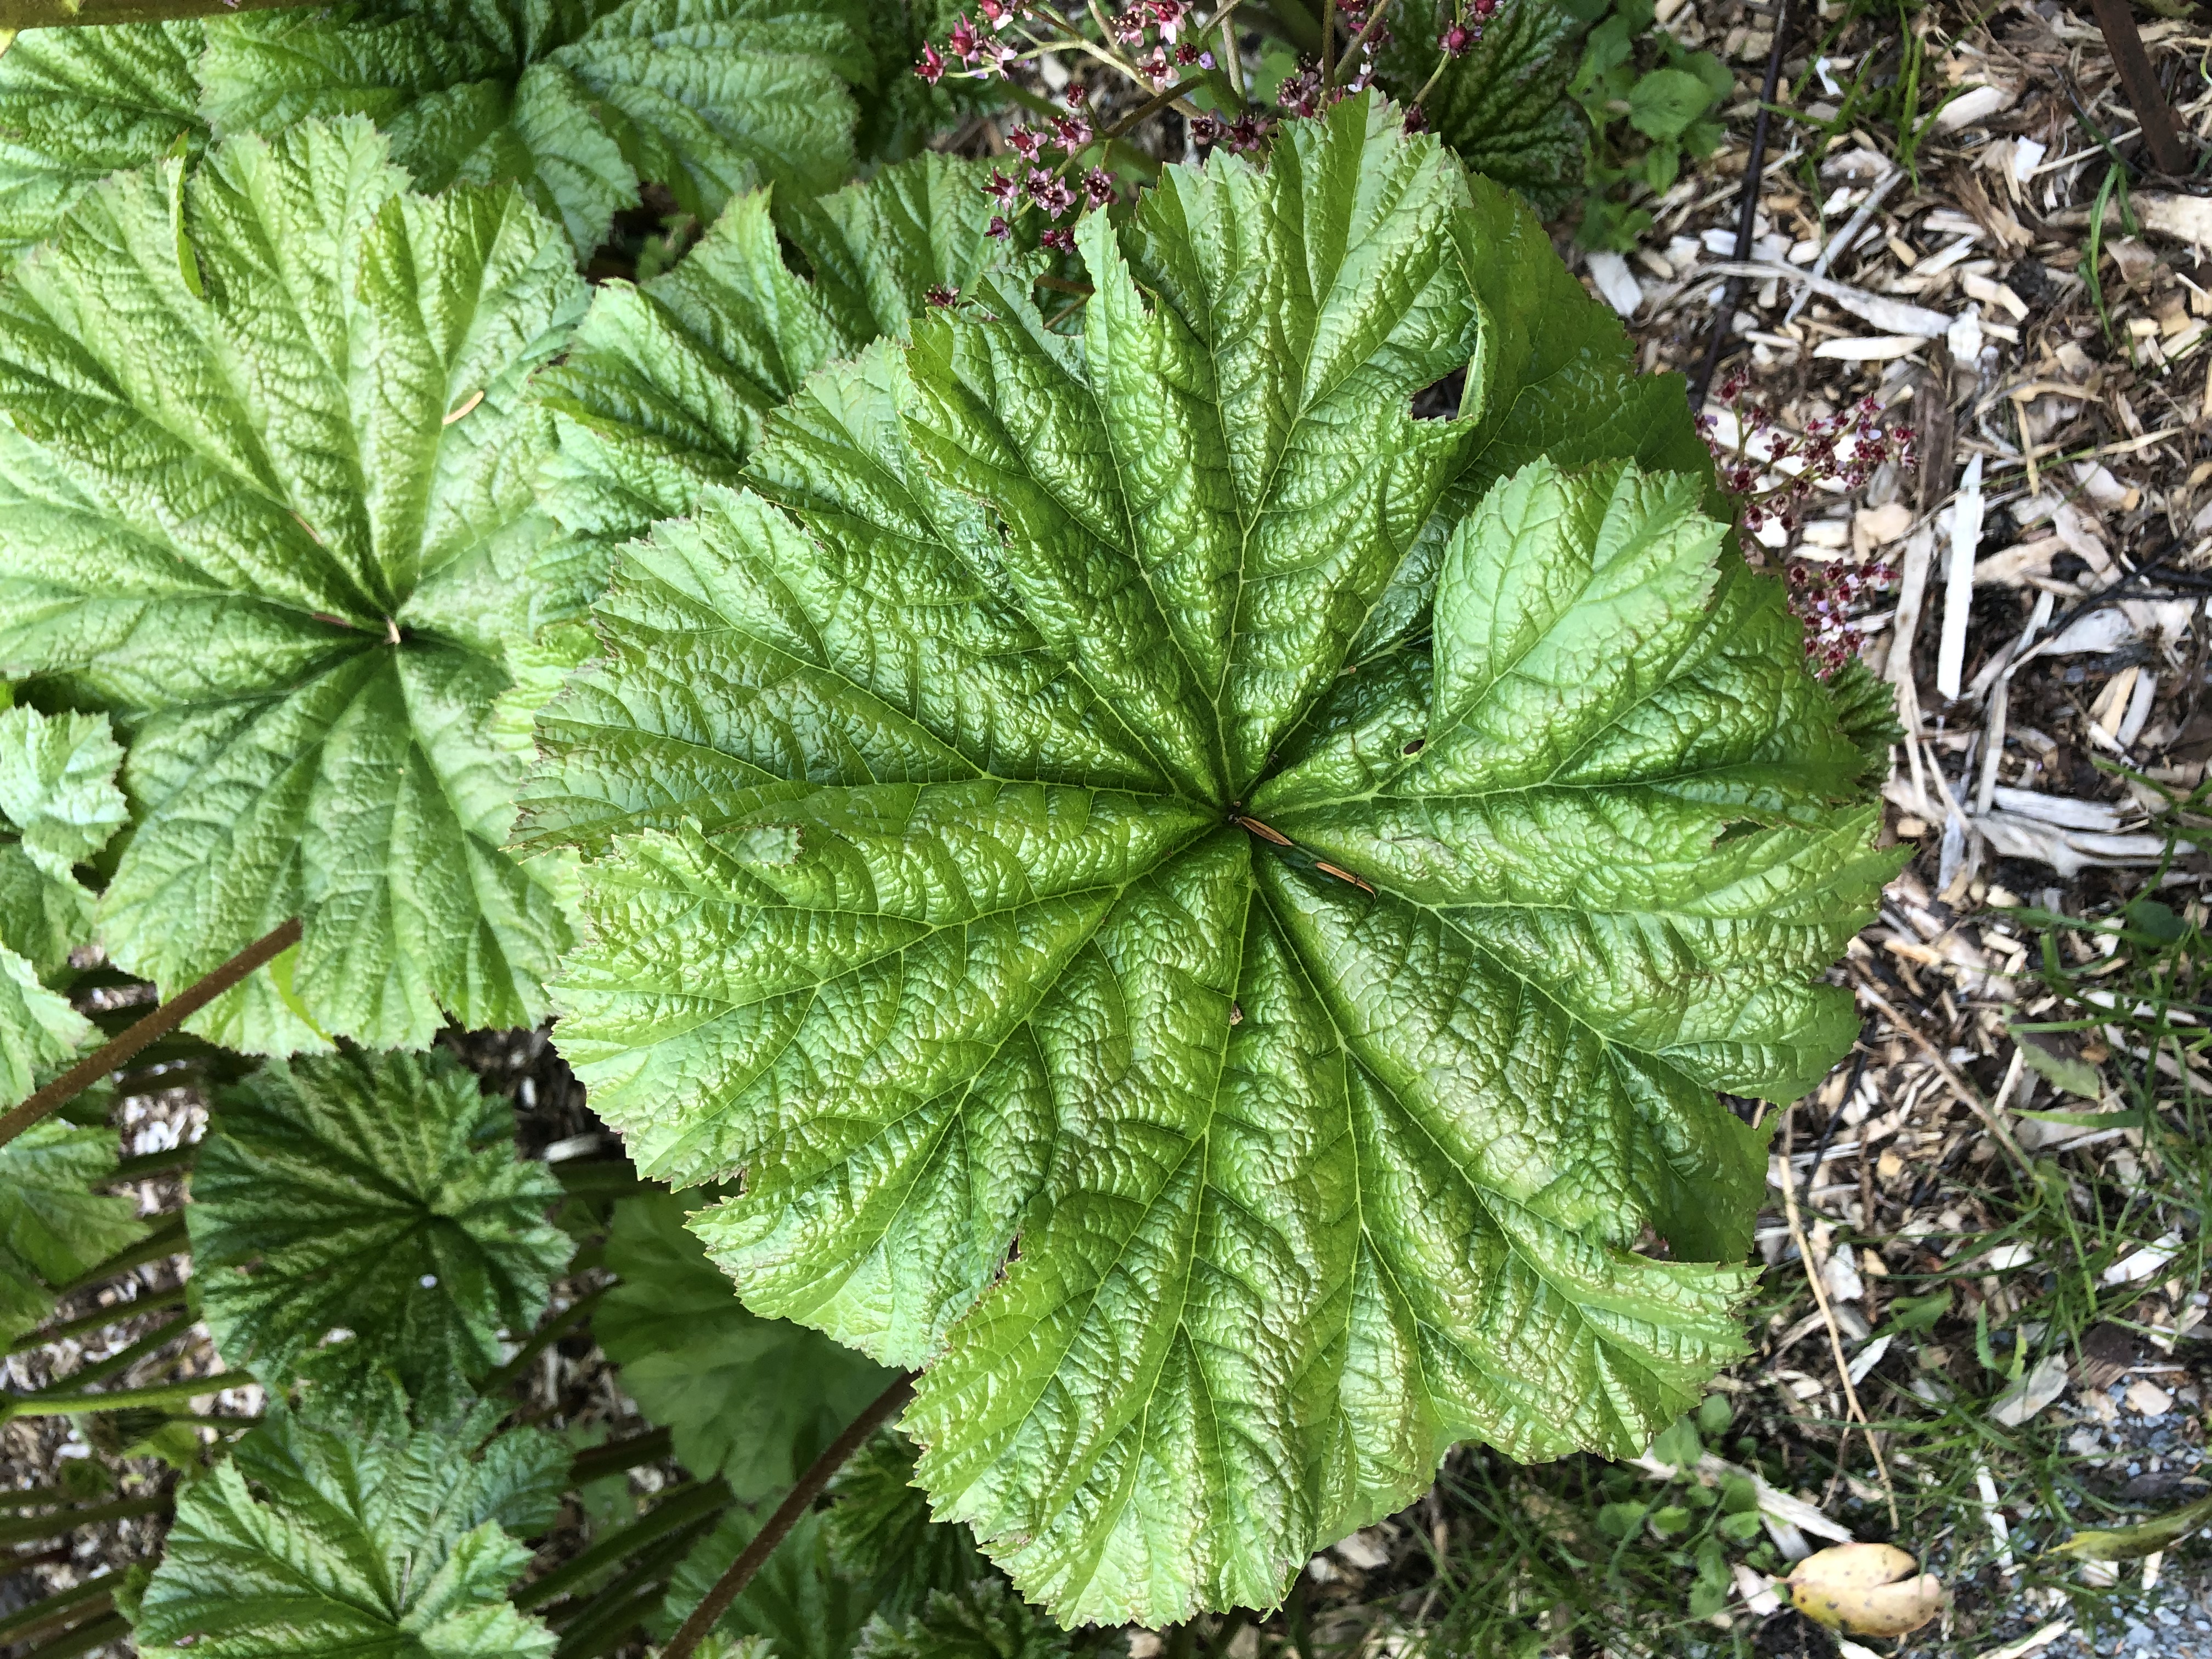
1867, 1589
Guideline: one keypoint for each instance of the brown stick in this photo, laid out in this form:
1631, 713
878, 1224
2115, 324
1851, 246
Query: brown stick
731, 1585
1746, 216
156, 1026
57, 14
2141, 84
1827, 1314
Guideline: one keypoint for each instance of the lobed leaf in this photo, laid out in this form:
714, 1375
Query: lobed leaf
53, 1227
1219, 1175
361, 1223
265, 495
578, 100
313, 1540
1502, 105
669, 383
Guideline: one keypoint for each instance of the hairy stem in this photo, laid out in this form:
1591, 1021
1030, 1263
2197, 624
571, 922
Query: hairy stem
52, 1525
116, 1399
543, 1337
731, 1585
678, 1507
84, 1638
89, 1600
153, 1302
111, 1055
167, 1238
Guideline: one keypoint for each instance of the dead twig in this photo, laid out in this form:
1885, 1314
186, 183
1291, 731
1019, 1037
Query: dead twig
1746, 216
1828, 1314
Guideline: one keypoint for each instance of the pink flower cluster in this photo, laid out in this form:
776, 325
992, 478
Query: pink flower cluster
981, 56
1824, 598
1840, 450
1047, 189
1460, 37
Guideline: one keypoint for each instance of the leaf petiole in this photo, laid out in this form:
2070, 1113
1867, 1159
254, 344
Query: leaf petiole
111, 1055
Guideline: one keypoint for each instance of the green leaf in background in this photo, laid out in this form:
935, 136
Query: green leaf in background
2067, 1073
57, 786
1663, 103
40, 1031
580, 100
1504, 106
294, 583
752, 1400
78, 104
309, 1541
880, 1530
376, 1195
800, 1603
58, 806
1216, 1193
986, 1620
668, 384
53, 1227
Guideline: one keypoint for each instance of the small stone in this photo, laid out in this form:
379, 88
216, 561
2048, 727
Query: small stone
2145, 1396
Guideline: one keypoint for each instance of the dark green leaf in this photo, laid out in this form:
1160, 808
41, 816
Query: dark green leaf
880, 1529
308, 1542
578, 99
752, 1400
1504, 106
376, 1196
986, 1620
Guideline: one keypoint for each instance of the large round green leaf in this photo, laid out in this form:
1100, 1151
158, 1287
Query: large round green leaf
1231, 1079
264, 494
